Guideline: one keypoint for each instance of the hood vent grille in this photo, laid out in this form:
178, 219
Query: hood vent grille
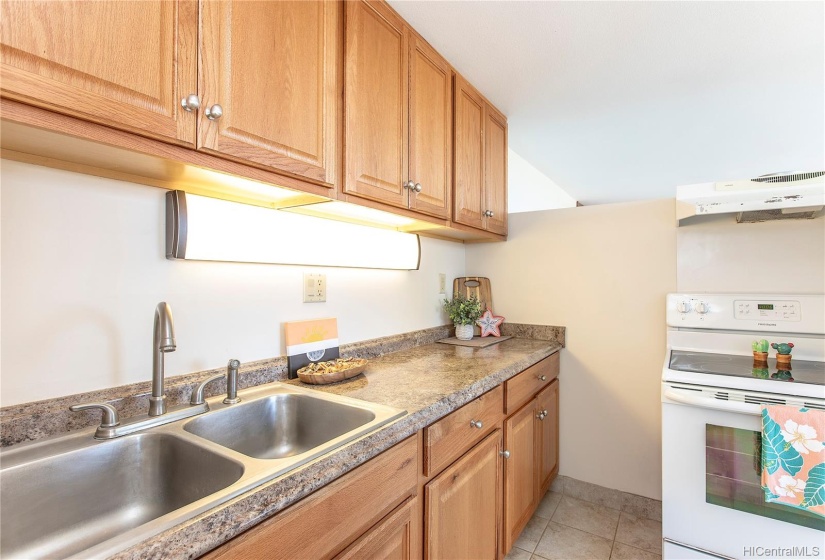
780, 178
768, 215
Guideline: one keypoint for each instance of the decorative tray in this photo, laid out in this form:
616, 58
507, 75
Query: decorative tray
333, 371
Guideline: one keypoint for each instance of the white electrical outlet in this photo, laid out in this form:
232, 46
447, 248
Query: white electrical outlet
315, 287
442, 283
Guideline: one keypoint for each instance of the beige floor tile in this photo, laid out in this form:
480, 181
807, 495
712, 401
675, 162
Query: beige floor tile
586, 516
531, 534
640, 533
593, 493
518, 554
548, 504
625, 552
642, 507
565, 543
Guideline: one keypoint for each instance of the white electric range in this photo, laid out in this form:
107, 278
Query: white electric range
712, 391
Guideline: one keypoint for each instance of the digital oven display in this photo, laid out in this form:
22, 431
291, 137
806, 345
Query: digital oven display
768, 306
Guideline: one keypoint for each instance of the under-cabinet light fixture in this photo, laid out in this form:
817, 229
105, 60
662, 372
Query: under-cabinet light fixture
209, 229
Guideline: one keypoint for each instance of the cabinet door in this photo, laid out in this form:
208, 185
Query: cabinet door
468, 149
431, 123
547, 436
495, 171
394, 538
519, 472
376, 100
326, 522
462, 505
272, 67
122, 64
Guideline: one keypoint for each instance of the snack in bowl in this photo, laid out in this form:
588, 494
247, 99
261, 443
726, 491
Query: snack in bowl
332, 371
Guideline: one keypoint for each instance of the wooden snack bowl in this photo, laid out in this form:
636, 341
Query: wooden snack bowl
334, 377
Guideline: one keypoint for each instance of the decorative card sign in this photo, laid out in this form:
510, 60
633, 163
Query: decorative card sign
309, 342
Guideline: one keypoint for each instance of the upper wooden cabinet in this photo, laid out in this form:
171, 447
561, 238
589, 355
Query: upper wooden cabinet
431, 118
495, 171
376, 97
341, 100
398, 113
272, 67
480, 152
123, 64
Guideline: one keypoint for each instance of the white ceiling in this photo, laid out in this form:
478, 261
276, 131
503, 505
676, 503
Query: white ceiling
618, 101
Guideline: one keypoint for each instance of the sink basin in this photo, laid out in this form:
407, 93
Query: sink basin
76, 496
59, 505
281, 425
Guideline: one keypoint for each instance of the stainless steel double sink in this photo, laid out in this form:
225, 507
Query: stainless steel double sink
77, 496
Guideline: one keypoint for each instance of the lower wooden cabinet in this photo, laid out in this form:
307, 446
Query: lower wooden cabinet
519, 472
531, 435
338, 514
396, 537
462, 505
547, 437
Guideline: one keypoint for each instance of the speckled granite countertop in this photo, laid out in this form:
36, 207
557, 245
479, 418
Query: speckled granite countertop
428, 381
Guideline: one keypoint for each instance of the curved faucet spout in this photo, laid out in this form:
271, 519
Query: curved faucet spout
163, 340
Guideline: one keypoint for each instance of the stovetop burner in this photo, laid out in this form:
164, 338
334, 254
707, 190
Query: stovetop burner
800, 371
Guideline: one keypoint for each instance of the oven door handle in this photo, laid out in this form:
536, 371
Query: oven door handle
717, 404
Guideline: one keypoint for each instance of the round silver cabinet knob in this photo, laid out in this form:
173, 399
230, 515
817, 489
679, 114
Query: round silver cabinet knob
542, 378
417, 187
214, 112
489, 213
408, 185
505, 454
476, 424
190, 103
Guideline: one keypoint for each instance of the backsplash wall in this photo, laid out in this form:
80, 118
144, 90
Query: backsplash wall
83, 267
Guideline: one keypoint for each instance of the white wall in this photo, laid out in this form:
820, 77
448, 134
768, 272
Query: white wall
83, 267
528, 189
603, 272
715, 254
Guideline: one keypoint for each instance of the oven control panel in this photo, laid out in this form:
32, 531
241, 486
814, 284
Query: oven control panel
802, 314
773, 310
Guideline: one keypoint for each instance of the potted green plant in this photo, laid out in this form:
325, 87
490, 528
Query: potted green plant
463, 312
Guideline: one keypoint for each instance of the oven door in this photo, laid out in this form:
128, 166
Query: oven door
711, 495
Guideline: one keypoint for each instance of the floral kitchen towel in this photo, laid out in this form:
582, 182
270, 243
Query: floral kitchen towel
793, 457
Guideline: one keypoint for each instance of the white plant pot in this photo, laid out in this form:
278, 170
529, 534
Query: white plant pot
464, 332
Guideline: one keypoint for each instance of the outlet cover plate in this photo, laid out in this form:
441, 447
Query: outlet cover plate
315, 287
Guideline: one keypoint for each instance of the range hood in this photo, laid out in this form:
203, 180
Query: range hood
769, 197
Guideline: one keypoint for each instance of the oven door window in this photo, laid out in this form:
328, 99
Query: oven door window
733, 476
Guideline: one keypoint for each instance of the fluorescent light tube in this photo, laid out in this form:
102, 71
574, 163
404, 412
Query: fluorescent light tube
209, 229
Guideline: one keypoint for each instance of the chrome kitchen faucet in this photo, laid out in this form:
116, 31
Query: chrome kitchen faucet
163, 340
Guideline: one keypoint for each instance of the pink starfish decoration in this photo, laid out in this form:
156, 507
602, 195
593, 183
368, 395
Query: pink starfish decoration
489, 324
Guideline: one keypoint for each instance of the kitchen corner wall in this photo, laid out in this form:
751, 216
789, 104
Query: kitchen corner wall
83, 267
602, 272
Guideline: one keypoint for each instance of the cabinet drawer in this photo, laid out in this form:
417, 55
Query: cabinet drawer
449, 438
526, 384
314, 527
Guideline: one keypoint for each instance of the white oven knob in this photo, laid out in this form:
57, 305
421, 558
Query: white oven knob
683, 306
702, 308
